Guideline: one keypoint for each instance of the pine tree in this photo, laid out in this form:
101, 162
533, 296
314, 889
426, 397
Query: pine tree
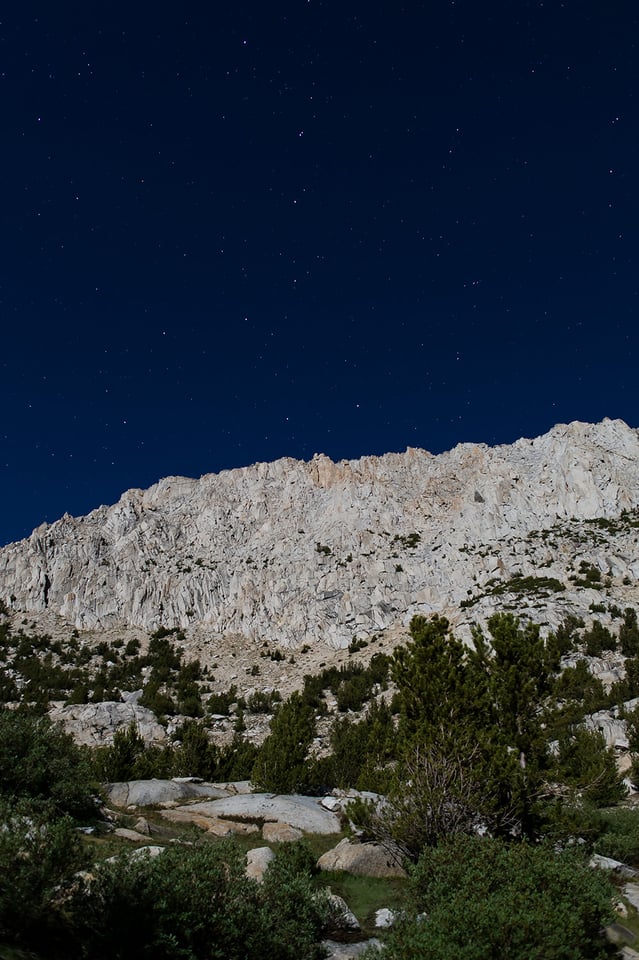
281, 764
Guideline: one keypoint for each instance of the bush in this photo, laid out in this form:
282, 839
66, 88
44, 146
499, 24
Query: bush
482, 898
263, 702
438, 791
37, 856
585, 764
598, 639
620, 837
220, 702
563, 640
197, 904
360, 751
629, 633
40, 762
118, 762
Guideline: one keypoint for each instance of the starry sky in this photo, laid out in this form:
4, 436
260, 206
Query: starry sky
235, 232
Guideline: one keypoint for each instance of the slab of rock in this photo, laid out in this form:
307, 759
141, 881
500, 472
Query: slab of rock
361, 859
152, 850
235, 787
216, 826
344, 951
614, 730
142, 826
183, 815
132, 835
607, 863
617, 933
305, 813
144, 793
281, 833
257, 862
95, 724
233, 827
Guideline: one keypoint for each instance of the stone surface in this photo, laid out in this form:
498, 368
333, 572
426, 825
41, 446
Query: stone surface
281, 833
304, 813
257, 862
94, 724
132, 835
214, 825
607, 863
614, 730
342, 917
384, 918
144, 793
153, 850
313, 552
361, 859
618, 933
344, 951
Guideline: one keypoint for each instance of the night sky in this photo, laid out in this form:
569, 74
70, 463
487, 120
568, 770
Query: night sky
238, 231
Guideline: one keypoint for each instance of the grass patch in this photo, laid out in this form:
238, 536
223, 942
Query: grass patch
365, 895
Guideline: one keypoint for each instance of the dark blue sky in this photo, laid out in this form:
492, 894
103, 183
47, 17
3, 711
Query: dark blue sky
234, 232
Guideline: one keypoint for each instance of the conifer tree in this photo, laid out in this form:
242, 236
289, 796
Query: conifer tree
281, 763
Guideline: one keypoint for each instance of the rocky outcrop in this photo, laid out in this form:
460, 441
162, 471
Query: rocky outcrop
94, 724
145, 793
303, 813
281, 833
319, 551
361, 859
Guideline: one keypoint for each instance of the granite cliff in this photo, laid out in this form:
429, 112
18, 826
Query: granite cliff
317, 552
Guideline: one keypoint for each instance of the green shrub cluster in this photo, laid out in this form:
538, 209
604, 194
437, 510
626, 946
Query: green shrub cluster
481, 898
191, 754
36, 669
351, 684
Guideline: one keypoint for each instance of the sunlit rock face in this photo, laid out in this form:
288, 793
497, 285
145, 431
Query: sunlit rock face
308, 552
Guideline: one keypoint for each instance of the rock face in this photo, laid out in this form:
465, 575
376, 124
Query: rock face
94, 724
143, 793
302, 813
305, 552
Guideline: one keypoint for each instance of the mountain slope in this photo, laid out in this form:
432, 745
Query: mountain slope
319, 551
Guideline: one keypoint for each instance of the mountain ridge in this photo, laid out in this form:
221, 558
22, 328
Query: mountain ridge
321, 551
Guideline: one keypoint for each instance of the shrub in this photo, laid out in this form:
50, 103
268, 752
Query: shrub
37, 856
117, 762
620, 837
598, 639
629, 633
481, 898
40, 762
263, 702
197, 904
584, 763
220, 702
